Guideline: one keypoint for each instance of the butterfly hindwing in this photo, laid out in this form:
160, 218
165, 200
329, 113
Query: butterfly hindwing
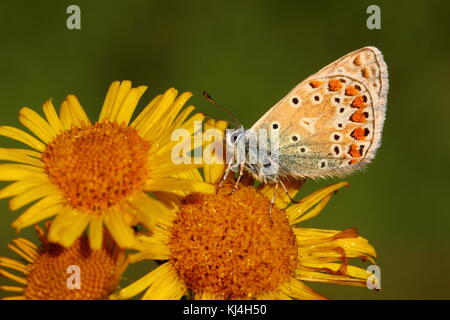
331, 123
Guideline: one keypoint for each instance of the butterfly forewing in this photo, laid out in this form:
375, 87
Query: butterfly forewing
331, 123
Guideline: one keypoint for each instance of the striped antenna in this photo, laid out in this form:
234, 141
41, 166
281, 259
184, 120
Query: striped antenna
233, 118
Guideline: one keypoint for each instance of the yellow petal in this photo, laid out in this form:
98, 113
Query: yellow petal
166, 285
354, 276
12, 172
314, 211
109, 100
13, 277
41, 210
20, 187
129, 105
137, 123
21, 253
36, 124
162, 167
296, 211
14, 298
31, 195
21, 136
13, 264
298, 290
11, 288
68, 226
171, 200
317, 245
165, 144
52, 116
96, 233
139, 285
122, 233
215, 166
27, 243
282, 199
65, 115
22, 245
182, 116
173, 184
78, 113
20, 155
152, 247
122, 92
153, 118
151, 212
174, 109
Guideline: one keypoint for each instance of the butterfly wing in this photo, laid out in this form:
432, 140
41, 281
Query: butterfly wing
331, 123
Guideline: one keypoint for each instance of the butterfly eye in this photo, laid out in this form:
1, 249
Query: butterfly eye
234, 136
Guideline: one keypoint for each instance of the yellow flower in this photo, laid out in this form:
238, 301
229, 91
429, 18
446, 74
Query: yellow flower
228, 246
49, 270
91, 175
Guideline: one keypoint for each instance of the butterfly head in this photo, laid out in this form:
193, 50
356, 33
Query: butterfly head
257, 158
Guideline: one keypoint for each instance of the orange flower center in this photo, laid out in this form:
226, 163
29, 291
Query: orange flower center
97, 166
53, 275
229, 246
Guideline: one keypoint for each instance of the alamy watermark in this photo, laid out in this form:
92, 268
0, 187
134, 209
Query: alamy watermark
374, 280
74, 278
73, 21
374, 20
251, 147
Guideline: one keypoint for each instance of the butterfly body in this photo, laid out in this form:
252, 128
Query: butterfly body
328, 125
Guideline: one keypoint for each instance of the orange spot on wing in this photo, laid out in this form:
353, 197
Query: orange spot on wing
354, 152
358, 116
358, 133
315, 83
351, 91
357, 61
352, 161
358, 102
365, 73
334, 85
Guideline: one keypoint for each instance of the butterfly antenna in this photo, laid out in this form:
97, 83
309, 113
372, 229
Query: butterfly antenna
223, 109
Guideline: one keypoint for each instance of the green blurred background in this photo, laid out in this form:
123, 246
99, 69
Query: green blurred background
249, 55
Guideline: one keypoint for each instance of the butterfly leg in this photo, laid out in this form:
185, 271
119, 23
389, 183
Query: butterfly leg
272, 201
227, 171
241, 173
287, 193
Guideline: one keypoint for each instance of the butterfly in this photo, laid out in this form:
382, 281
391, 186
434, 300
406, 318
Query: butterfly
329, 125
